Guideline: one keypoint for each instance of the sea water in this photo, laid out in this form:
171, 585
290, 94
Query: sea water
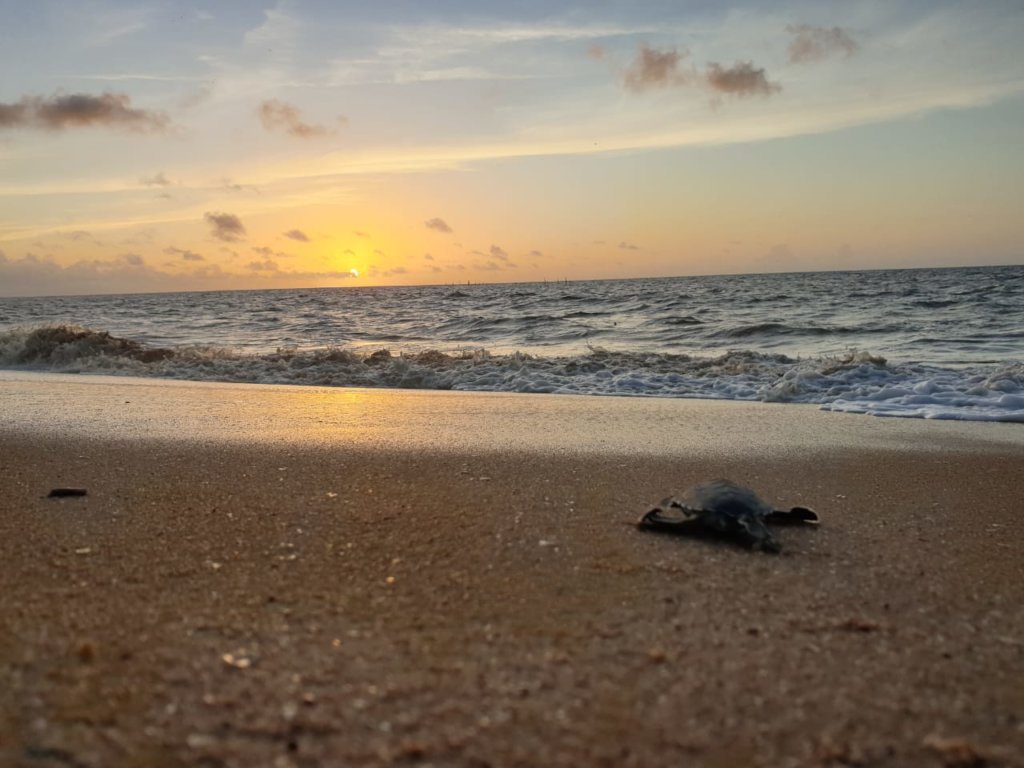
935, 343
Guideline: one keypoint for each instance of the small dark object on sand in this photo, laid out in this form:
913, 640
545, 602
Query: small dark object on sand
58, 493
724, 508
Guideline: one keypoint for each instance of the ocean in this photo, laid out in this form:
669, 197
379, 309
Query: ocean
932, 343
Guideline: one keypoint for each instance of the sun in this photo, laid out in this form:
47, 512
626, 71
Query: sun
354, 272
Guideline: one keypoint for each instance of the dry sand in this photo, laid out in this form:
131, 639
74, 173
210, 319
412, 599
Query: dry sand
283, 576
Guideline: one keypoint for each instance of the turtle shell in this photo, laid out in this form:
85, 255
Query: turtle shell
723, 498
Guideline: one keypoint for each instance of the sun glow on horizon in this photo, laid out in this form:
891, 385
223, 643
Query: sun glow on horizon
271, 145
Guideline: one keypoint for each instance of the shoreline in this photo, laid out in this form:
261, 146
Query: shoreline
124, 406
304, 576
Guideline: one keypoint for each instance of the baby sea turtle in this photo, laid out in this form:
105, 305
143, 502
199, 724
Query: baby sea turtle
722, 507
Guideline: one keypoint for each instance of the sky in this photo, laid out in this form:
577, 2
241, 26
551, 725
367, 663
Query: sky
165, 146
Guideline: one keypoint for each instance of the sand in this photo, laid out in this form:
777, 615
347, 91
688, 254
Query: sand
289, 576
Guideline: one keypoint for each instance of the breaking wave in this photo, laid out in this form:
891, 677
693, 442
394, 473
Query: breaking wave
854, 382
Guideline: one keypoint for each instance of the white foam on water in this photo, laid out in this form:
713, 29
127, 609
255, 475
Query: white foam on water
856, 382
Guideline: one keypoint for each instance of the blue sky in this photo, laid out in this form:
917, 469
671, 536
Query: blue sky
551, 139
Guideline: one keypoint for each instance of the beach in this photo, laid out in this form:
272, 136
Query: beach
302, 576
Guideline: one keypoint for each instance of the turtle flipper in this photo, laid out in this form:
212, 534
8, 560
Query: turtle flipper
752, 532
794, 516
658, 520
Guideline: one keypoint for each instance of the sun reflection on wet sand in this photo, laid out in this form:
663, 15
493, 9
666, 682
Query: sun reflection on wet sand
128, 408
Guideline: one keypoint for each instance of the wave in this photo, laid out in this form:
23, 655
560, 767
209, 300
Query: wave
781, 329
855, 382
936, 303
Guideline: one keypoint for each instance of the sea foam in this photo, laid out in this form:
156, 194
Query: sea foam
855, 382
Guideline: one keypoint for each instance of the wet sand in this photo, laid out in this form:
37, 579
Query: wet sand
283, 576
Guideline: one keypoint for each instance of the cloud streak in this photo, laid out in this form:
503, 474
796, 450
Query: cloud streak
297, 234
438, 225
268, 265
812, 43
156, 180
225, 226
184, 253
279, 116
80, 110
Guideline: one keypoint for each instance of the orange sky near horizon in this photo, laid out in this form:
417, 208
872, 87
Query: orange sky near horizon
291, 144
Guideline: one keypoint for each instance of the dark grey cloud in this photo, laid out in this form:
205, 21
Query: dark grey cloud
654, 69
741, 79
81, 110
810, 43
279, 116
133, 259
438, 225
186, 255
297, 234
156, 180
226, 226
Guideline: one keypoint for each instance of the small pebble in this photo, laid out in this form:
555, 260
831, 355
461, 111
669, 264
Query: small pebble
58, 493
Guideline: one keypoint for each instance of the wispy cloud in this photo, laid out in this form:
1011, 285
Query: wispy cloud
297, 234
77, 235
225, 226
81, 110
810, 43
267, 252
184, 253
278, 28
498, 253
438, 225
234, 186
156, 180
279, 116
653, 68
267, 265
